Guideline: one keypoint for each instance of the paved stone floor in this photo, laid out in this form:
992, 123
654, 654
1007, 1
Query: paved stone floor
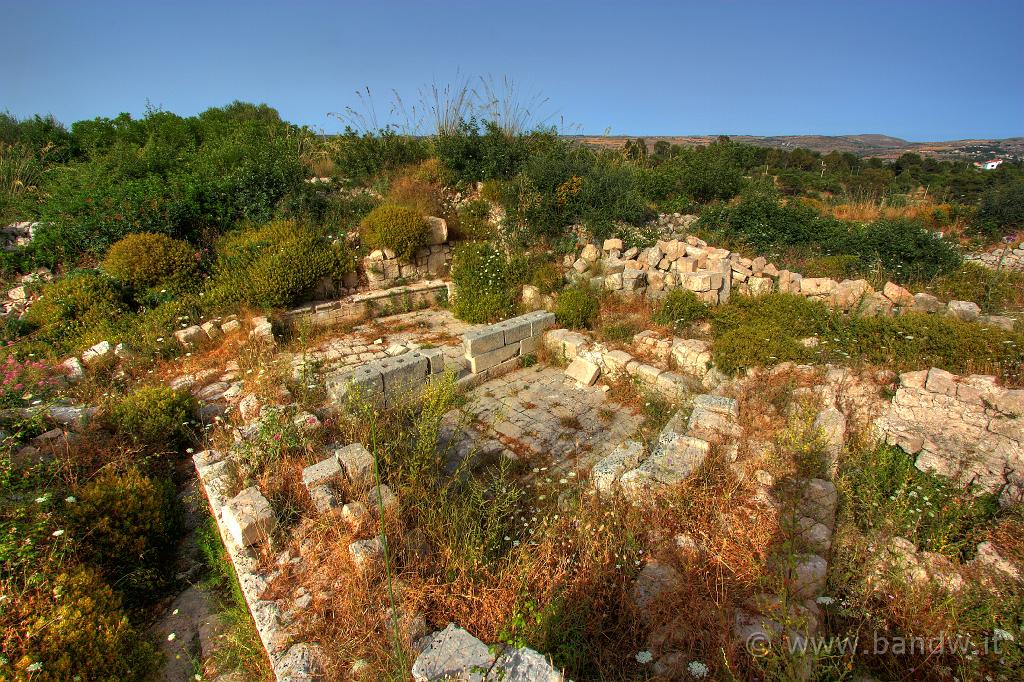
540, 416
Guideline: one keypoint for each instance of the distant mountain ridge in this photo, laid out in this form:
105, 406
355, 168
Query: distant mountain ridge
864, 145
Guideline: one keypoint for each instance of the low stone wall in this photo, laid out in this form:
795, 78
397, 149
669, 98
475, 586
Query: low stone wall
496, 349
385, 270
351, 308
967, 428
387, 381
714, 274
1009, 257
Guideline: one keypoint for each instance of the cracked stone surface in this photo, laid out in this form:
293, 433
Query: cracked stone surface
540, 415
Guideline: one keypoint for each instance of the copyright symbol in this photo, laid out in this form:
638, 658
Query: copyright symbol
758, 645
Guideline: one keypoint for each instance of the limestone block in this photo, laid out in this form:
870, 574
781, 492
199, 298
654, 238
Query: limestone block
816, 537
673, 386
452, 654
362, 383
366, 554
1001, 321
485, 361
612, 244
655, 581
590, 253
644, 373
675, 458
322, 473
692, 356
940, 381
817, 286
963, 310
437, 232
231, 327
819, 501
382, 495
485, 340
613, 282
98, 352
807, 576
540, 321
583, 371
211, 329
529, 345
712, 425
357, 463
760, 286
435, 359
515, 329
249, 517
403, 374
607, 471
717, 403
565, 343
355, 514
897, 294
73, 369
524, 665
618, 361
849, 293
696, 281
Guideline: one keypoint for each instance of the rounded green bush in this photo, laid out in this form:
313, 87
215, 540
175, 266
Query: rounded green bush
577, 308
397, 228
155, 416
130, 522
680, 308
80, 631
274, 266
82, 305
547, 278
149, 259
486, 282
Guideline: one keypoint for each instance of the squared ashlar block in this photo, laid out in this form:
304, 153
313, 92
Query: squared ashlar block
361, 383
435, 358
485, 340
480, 363
541, 321
249, 517
322, 473
357, 463
515, 329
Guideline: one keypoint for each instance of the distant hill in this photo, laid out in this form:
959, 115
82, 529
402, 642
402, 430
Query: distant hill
867, 145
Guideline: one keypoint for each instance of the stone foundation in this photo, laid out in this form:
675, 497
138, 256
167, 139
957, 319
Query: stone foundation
379, 302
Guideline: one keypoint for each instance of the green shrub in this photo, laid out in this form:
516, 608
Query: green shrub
486, 282
474, 221
547, 277
75, 311
889, 495
273, 266
78, 631
1001, 211
993, 290
155, 416
148, 259
128, 523
397, 228
577, 308
680, 308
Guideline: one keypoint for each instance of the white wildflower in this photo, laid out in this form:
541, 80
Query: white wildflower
698, 670
644, 657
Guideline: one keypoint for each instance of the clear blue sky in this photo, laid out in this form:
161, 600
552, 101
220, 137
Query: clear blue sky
921, 70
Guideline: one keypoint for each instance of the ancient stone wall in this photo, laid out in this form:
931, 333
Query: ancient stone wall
497, 348
967, 428
1009, 257
374, 302
433, 259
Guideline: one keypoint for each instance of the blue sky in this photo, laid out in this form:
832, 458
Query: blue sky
925, 70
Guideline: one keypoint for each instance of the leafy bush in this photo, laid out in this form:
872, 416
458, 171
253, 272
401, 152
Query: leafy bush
891, 496
1001, 211
128, 522
397, 228
903, 248
77, 310
273, 266
577, 308
146, 259
993, 290
79, 631
155, 416
474, 221
362, 156
27, 380
680, 308
486, 282
466, 155
547, 277
416, 189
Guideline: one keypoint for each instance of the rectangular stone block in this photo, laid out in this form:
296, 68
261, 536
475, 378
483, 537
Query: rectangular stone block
515, 329
583, 371
357, 463
403, 374
321, 473
249, 517
608, 470
529, 345
361, 383
485, 361
695, 281
434, 356
717, 403
480, 341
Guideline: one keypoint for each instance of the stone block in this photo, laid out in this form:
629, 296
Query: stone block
807, 576
515, 329
590, 253
529, 345
97, 353
211, 329
849, 293
760, 286
403, 374
361, 383
607, 471
897, 294
940, 381
675, 458
452, 654
322, 473
655, 581
437, 232
485, 361
357, 463
355, 514
717, 403
963, 310
249, 517
231, 327
366, 554
696, 281
618, 361
583, 371
819, 501
485, 340
612, 244
191, 336
382, 495
817, 286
